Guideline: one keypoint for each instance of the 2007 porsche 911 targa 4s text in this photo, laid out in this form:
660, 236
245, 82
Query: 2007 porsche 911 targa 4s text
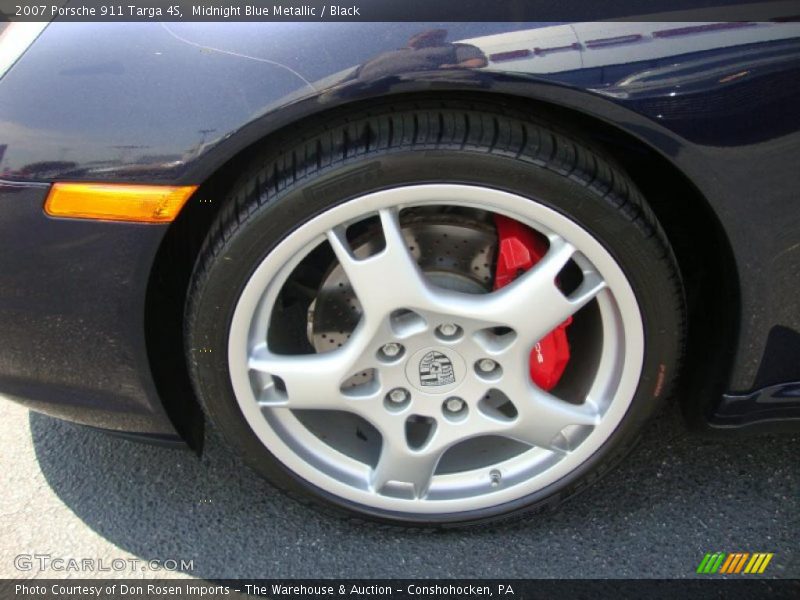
432, 274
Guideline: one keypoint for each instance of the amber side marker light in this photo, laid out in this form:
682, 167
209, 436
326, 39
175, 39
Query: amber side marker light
117, 202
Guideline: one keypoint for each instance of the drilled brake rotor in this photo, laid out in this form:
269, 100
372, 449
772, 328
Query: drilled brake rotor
454, 251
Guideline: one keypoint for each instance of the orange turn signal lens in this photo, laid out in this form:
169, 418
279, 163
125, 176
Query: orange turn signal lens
117, 202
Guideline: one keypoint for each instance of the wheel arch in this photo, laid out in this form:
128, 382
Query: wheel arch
701, 245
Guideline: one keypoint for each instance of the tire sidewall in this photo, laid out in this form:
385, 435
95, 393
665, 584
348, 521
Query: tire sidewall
218, 287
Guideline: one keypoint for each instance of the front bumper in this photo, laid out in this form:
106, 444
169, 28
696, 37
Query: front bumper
72, 309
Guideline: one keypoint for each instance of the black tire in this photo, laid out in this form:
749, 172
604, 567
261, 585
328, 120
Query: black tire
325, 164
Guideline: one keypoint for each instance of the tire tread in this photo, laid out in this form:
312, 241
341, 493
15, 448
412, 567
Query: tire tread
466, 126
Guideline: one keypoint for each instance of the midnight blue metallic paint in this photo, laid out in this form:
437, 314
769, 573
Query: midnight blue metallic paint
173, 103
72, 315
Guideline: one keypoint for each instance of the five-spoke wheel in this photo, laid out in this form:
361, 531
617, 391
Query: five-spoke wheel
439, 362
438, 333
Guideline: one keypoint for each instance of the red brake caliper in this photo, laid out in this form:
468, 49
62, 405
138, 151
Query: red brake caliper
519, 249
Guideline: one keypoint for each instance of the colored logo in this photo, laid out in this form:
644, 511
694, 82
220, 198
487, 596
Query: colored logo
722, 563
436, 369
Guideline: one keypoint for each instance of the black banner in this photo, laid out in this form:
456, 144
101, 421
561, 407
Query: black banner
397, 10
338, 589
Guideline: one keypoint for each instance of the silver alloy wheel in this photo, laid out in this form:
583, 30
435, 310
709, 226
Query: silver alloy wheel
556, 435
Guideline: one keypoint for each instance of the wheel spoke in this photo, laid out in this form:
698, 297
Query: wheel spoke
310, 381
399, 463
534, 305
388, 279
541, 416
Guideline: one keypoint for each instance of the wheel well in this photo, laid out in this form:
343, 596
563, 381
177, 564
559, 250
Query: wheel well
702, 249
707, 266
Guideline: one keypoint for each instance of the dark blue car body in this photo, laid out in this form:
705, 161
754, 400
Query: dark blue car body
704, 115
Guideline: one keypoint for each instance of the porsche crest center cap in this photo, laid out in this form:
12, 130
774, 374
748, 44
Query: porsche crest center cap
435, 370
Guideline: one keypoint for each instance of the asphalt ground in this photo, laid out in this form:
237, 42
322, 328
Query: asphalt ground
69, 492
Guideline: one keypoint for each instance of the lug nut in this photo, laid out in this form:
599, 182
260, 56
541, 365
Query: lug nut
486, 365
397, 396
454, 405
448, 329
391, 349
